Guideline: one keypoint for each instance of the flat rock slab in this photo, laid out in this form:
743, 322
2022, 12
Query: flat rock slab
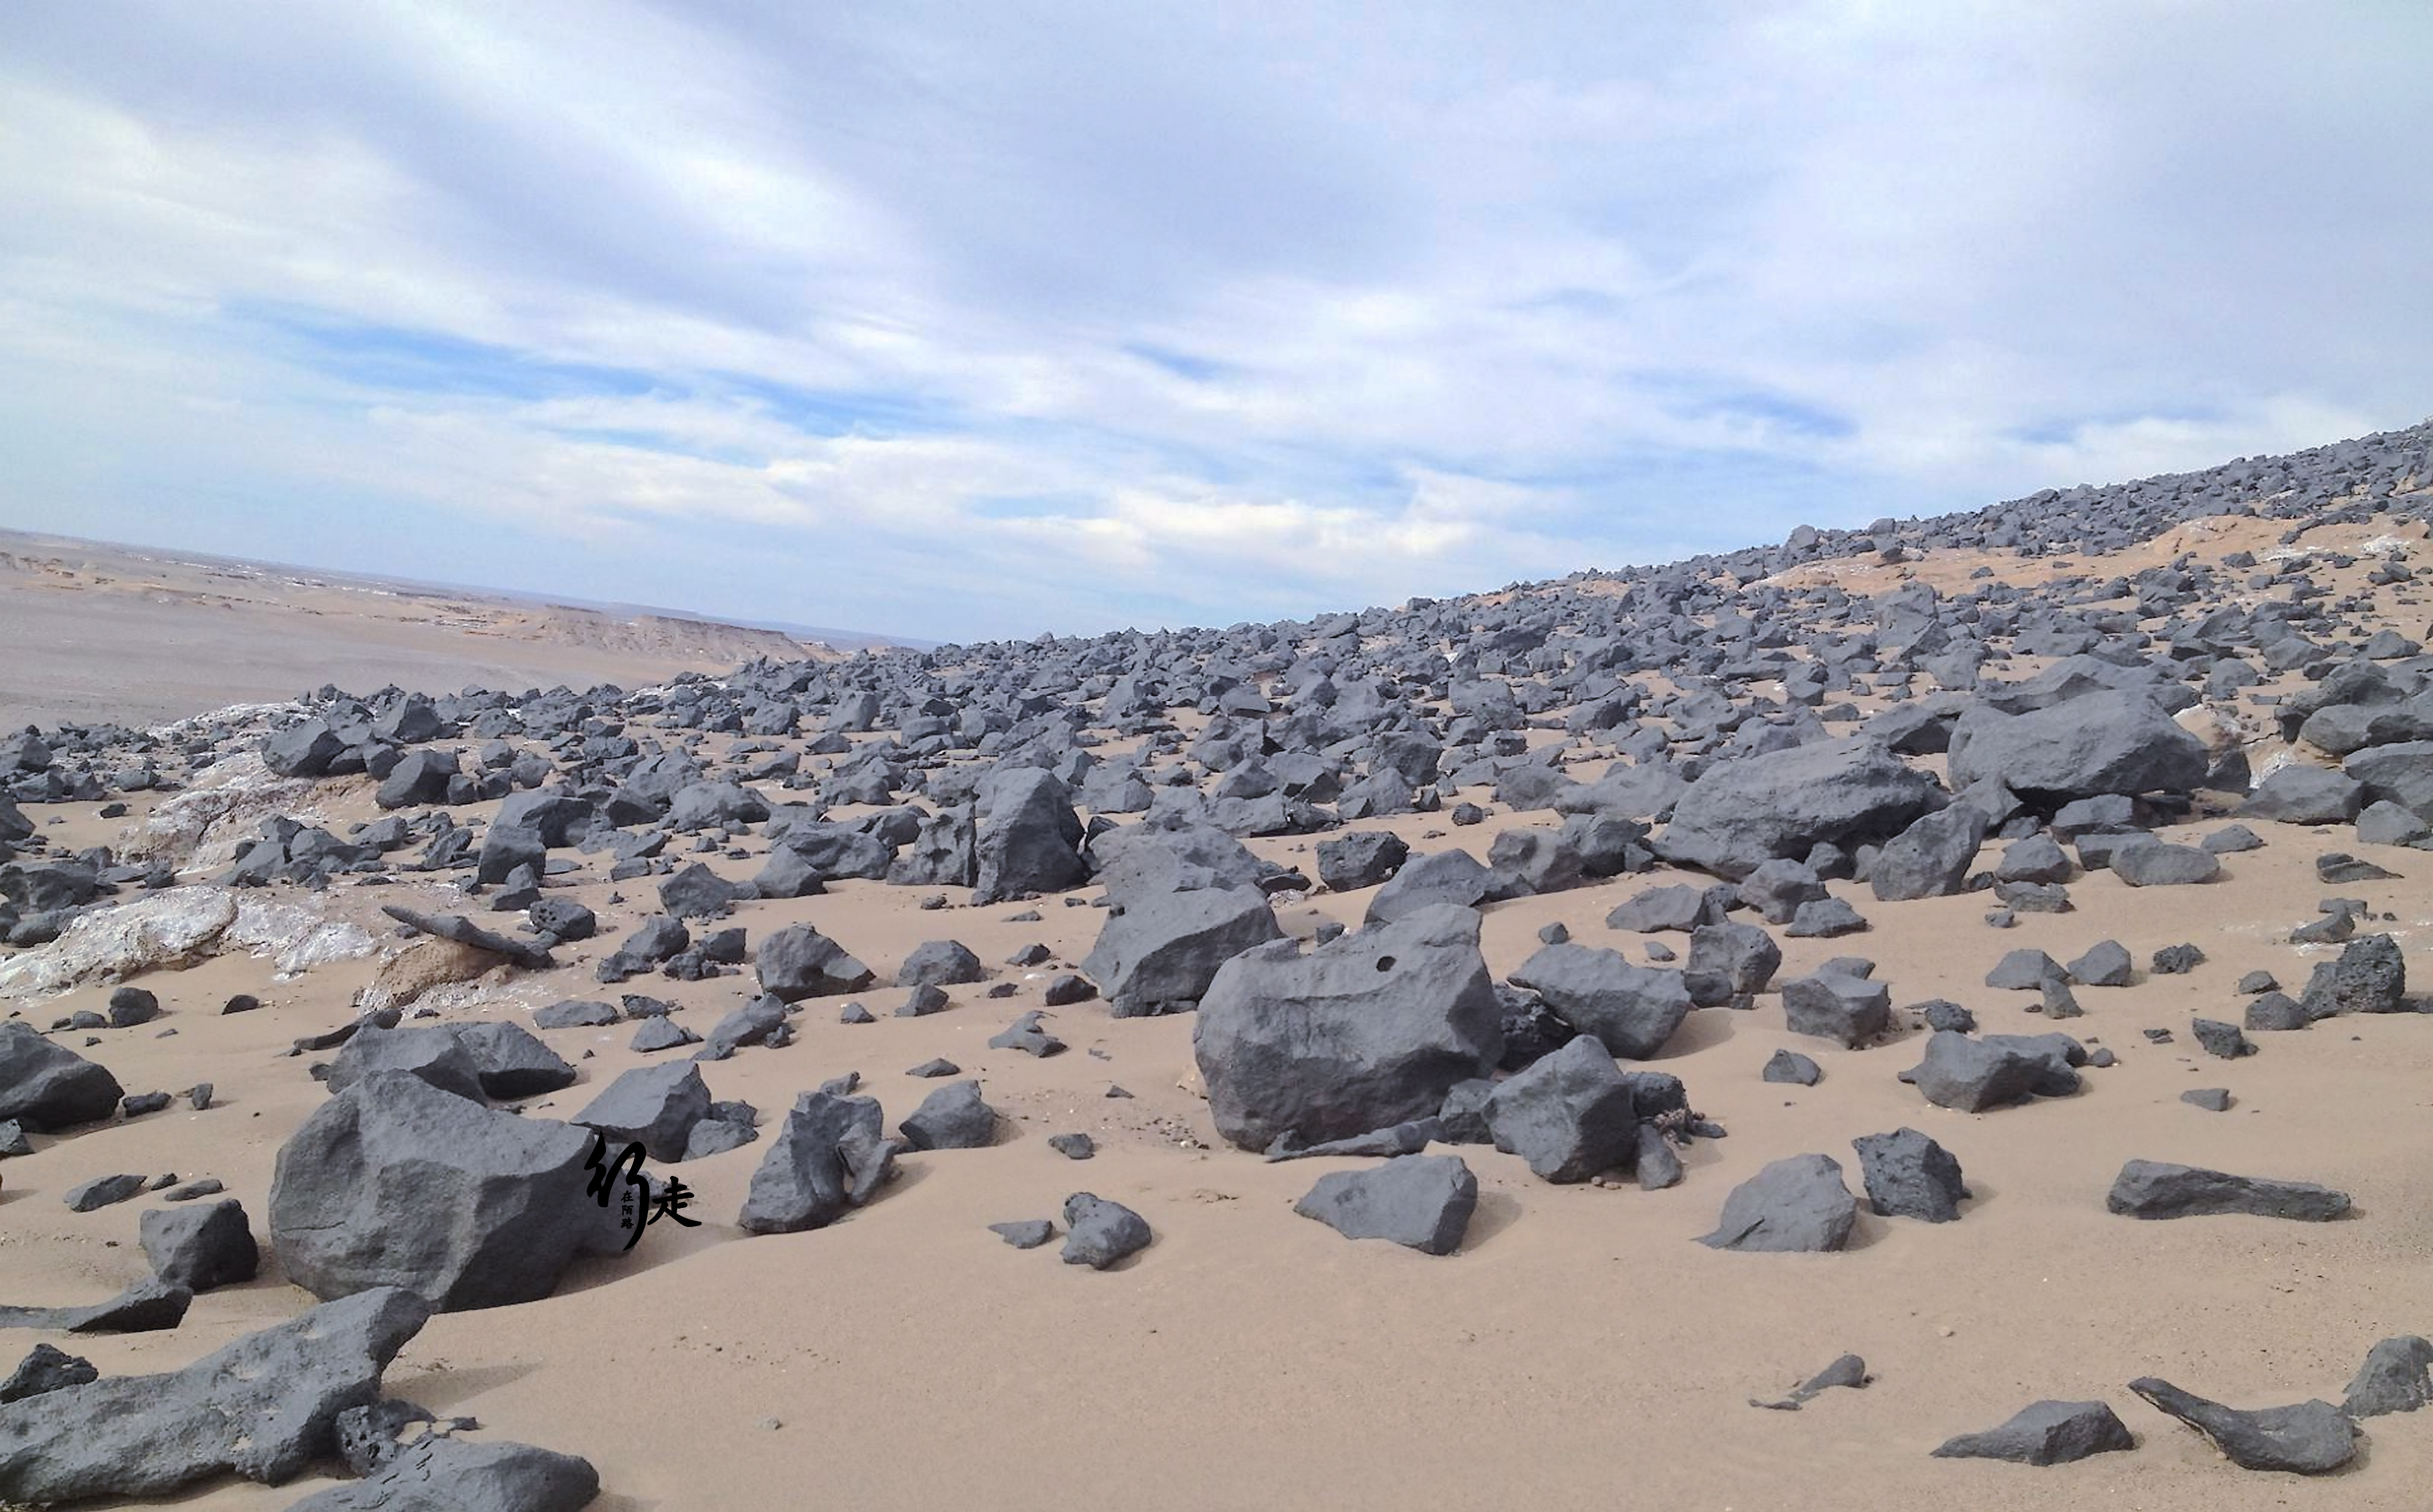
1848, 1370
1423, 1202
1792, 1205
2153, 1189
2311, 1438
2045, 1433
449, 1474
264, 1407
148, 1306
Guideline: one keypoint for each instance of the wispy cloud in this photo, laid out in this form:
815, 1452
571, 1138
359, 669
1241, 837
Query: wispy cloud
958, 323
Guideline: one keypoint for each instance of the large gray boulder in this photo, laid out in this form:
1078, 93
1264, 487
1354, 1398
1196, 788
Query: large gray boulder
1931, 857
653, 1105
1570, 1117
1971, 1075
1159, 953
2304, 795
200, 1247
1172, 856
394, 1182
1441, 877
1423, 1202
943, 851
1910, 1175
2159, 865
798, 962
1632, 1010
1837, 1006
1729, 961
1371, 1030
264, 1407
940, 963
1030, 840
953, 1117
1783, 804
511, 1062
2401, 772
2370, 976
47, 1087
303, 750
831, 1157
1792, 1205
433, 1052
1361, 859
2115, 740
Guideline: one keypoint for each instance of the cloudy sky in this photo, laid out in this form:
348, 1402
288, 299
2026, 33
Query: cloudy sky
978, 319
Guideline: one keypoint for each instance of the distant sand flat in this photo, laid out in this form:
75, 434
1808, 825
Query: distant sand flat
97, 632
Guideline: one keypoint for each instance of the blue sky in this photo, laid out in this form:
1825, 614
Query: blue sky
957, 321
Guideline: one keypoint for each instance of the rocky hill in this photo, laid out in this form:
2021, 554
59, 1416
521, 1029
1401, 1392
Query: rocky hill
1480, 1048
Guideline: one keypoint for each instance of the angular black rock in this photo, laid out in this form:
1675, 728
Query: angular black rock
1797, 1204
1836, 1006
2370, 976
829, 1158
1570, 1117
1420, 1201
444, 1473
2045, 1433
1632, 1010
394, 1182
264, 1407
953, 1117
2220, 1039
101, 1191
1792, 1068
1099, 1233
798, 962
1159, 955
2309, 1438
1846, 1371
653, 1105
2153, 1189
46, 1367
1971, 1075
1908, 1176
47, 1087
150, 1305
200, 1247
1370, 1030
2397, 1377
1025, 1233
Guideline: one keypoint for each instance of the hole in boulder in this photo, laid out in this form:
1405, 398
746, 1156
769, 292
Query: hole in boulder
1385, 963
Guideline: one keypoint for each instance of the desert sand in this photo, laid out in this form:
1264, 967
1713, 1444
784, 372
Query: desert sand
101, 631
1579, 1351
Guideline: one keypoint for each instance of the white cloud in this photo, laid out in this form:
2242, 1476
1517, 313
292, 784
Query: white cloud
1074, 318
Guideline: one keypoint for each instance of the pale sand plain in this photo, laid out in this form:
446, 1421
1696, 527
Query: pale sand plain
1581, 1350
101, 633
